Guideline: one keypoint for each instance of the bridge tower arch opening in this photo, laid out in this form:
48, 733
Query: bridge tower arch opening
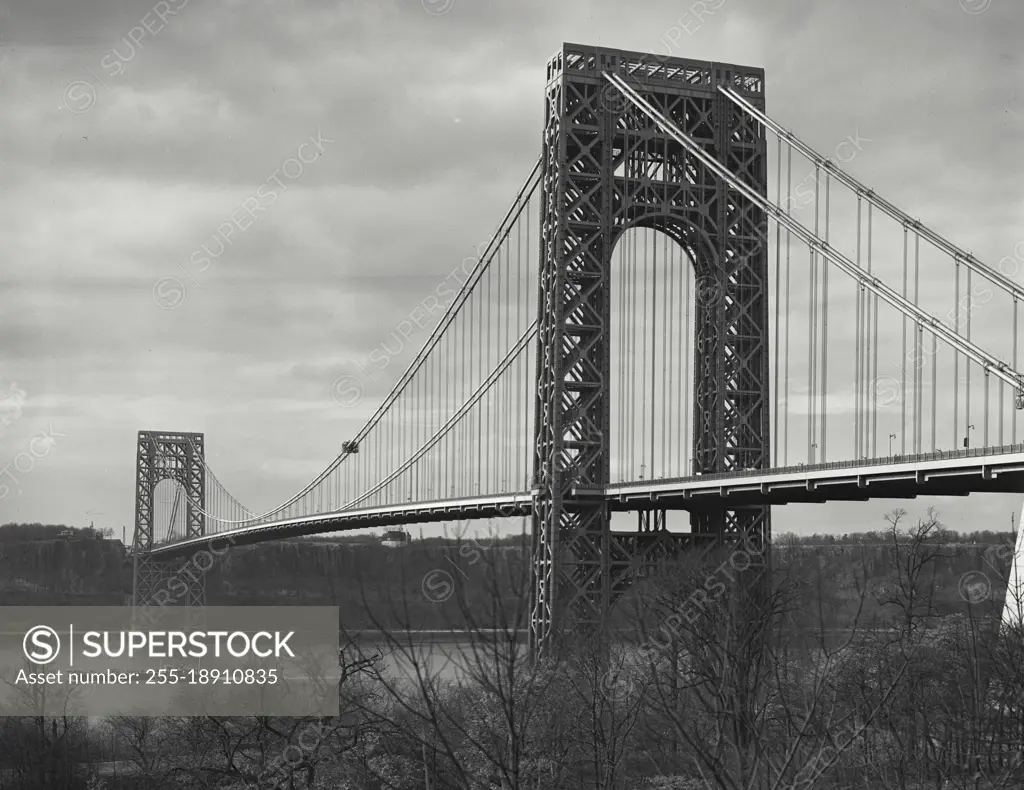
655, 292
170, 500
608, 168
170, 513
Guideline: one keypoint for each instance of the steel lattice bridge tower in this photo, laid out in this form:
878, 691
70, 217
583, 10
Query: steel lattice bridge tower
608, 168
645, 332
177, 457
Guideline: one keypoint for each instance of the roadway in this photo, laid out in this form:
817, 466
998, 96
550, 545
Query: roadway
949, 473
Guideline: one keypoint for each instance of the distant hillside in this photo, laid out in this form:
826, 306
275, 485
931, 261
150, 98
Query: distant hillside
63, 572
378, 586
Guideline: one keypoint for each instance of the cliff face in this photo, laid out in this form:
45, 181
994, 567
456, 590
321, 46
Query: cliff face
375, 586
422, 586
836, 575
63, 572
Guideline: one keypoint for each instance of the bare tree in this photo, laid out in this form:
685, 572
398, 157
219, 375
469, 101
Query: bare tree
46, 748
755, 697
297, 753
465, 727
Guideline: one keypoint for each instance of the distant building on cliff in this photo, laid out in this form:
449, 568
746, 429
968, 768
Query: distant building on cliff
395, 538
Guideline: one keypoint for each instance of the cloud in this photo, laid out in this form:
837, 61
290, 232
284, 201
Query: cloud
125, 152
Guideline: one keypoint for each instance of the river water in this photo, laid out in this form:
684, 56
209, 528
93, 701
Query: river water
404, 656
411, 654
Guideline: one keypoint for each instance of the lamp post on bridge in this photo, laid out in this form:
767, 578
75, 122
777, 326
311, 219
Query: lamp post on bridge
810, 461
967, 438
891, 437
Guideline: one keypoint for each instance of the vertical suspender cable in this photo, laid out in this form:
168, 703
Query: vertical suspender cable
472, 464
511, 473
622, 368
654, 340
487, 420
785, 355
423, 465
824, 326
501, 409
813, 334
524, 369
418, 387
1002, 434
956, 356
985, 416
467, 361
778, 287
935, 388
903, 354
491, 417
858, 381
643, 374
633, 290
686, 336
665, 329
472, 417
873, 345
517, 431
458, 374
666, 366
918, 350
476, 370
444, 371
415, 410
433, 410
1013, 412
627, 374
401, 484
451, 449
414, 429
670, 379
440, 365
419, 393
967, 393
686, 339
504, 407
643, 359
485, 324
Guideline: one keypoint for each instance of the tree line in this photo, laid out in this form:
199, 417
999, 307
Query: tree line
717, 676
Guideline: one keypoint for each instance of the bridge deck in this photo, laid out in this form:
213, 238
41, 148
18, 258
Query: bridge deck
954, 473
498, 506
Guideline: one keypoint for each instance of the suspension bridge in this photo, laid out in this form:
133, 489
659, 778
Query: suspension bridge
648, 330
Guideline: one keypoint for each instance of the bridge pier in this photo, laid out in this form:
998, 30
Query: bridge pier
176, 582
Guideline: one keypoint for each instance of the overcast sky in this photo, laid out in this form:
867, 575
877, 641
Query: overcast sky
416, 121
